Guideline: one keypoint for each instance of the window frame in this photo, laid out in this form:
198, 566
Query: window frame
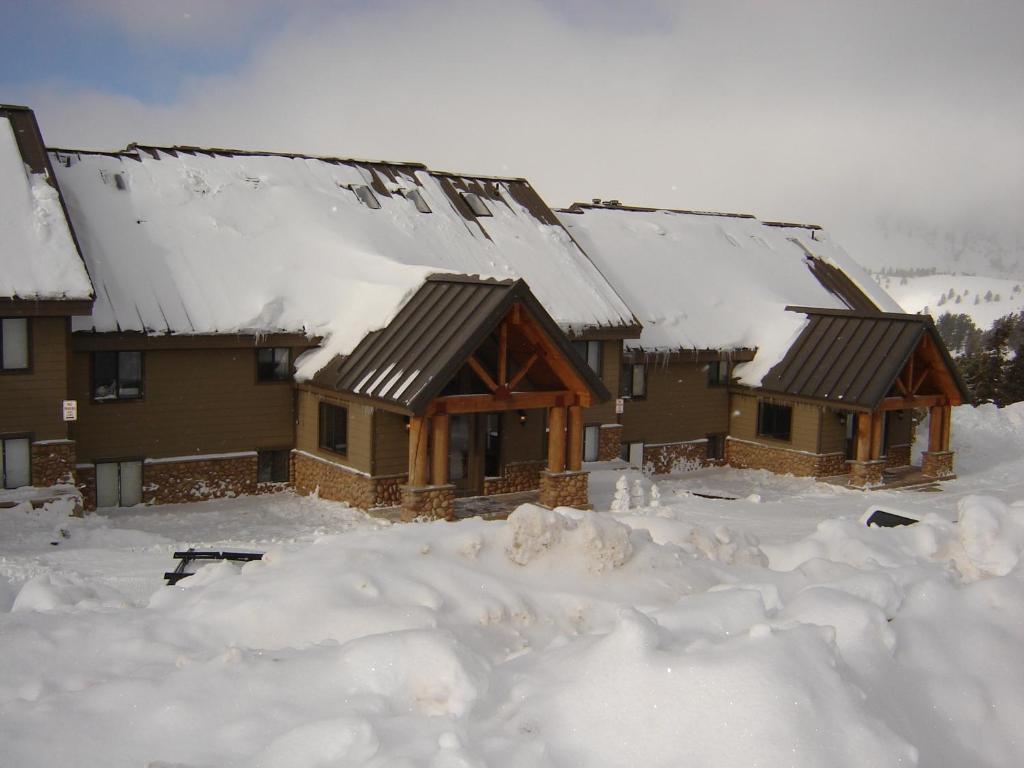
597, 442
271, 452
28, 347
288, 372
476, 205
715, 439
585, 353
627, 381
764, 408
721, 377
118, 397
322, 441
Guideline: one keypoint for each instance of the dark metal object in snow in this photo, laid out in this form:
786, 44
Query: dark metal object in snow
190, 555
882, 519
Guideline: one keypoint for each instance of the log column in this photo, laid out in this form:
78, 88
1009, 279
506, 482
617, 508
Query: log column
937, 461
556, 439
868, 468
439, 450
418, 426
575, 438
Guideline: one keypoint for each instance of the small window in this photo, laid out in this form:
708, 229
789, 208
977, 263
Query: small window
334, 428
418, 200
716, 447
116, 375
634, 381
718, 373
14, 344
15, 462
272, 466
273, 364
591, 442
118, 483
366, 196
476, 205
590, 351
774, 420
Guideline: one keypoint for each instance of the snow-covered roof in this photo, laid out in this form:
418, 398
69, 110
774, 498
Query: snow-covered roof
38, 257
191, 241
718, 281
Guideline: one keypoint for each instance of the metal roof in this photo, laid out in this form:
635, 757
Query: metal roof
852, 358
408, 363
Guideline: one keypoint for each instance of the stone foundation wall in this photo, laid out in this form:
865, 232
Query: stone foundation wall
675, 457
333, 481
564, 489
937, 464
178, 482
53, 463
866, 474
898, 456
609, 442
747, 455
434, 502
516, 476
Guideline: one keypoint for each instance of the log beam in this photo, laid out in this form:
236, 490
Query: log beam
556, 439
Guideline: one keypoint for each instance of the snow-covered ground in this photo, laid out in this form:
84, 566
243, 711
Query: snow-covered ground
767, 629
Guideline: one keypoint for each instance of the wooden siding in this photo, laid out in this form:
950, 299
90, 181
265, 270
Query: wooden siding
195, 402
360, 429
898, 426
30, 402
523, 442
833, 431
679, 406
611, 363
804, 431
390, 444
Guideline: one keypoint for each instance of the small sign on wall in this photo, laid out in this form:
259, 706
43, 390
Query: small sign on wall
620, 405
70, 408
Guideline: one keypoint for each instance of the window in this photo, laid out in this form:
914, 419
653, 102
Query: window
334, 428
774, 421
590, 351
366, 196
417, 199
633, 453
718, 373
118, 483
14, 344
716, 447
273, 364
591, 443
272, 466
476, 205
116, 375
634, 381
15, 462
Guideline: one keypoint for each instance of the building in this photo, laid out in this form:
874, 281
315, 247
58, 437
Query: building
184, 323
764, 346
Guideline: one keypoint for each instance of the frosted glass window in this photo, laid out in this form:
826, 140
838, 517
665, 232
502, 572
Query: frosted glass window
15, 463
591, 441
14, 343
636, 455
118, 483
107, 482
476, 205
131, 483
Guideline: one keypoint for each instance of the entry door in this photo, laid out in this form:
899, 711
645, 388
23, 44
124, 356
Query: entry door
465, 453
118, 483
15, 462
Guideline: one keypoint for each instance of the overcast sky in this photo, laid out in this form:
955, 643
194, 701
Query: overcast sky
816, 111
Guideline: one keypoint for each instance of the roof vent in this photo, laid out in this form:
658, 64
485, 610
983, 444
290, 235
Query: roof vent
595, 200
366, 196
612, 202
476, 205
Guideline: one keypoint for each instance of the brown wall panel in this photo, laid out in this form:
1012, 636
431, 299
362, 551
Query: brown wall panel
611, 362
804, 431
833, 431
360, 429
390, 444
31, 401
679, 406
196, 401
523, 442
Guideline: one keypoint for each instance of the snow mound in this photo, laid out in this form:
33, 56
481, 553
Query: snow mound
597, 541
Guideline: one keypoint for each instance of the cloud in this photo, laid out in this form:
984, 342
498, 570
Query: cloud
795, 110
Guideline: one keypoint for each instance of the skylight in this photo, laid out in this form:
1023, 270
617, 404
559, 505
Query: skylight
476, 205
366, 196
417, 199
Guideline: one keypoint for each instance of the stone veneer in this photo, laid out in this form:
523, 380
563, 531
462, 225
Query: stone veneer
866, 474
53, 463
176, 482
564, 489
311, 474
609, 442
744, 454
898, 456
937, 464
675, 457
516, 476
434, 502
